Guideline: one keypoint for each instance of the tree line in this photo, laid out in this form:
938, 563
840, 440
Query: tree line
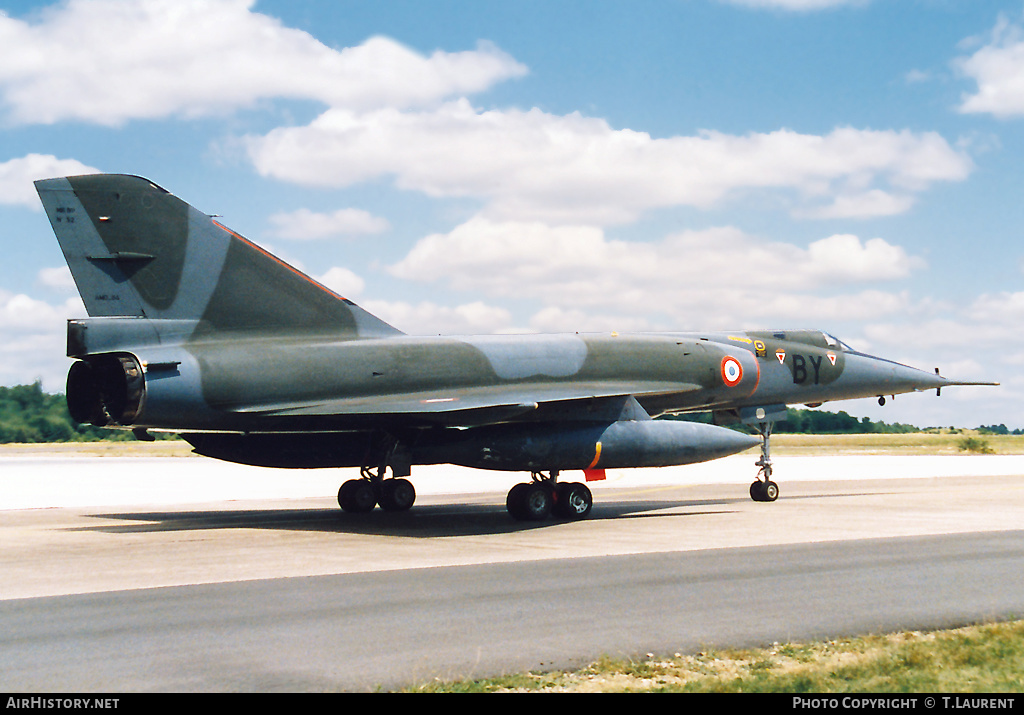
822, 422
799, 421
27, 414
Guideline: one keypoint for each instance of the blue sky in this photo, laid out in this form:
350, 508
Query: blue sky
477, 167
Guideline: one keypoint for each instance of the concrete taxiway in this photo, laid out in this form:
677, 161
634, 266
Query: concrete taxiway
79, 525
245, 567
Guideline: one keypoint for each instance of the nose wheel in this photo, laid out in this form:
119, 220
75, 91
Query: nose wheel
763, 488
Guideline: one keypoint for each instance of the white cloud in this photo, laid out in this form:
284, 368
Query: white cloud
795, 5
58, 279
428, 318
917, 76
866, 205
343, 282
22, 313
107, 61
1005, 310
33, 339
989, 326
573, 169
998, 70
304, 224
17, 175
844, 258
553, 319
719, 276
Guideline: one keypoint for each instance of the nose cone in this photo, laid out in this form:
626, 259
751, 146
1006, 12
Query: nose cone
885, 377
712, 441
910, 379
737, 442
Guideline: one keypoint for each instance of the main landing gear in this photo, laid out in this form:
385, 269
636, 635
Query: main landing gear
544, 497
361, 495
763, 488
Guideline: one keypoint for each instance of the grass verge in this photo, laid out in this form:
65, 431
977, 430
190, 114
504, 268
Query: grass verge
982, 658
916, 443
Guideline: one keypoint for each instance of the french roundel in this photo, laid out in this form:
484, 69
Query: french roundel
732, 371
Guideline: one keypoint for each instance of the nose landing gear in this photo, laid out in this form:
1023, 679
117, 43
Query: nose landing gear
763, 488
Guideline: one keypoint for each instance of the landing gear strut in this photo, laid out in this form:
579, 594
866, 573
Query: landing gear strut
543, 497
360, 496
395, 494
763, 488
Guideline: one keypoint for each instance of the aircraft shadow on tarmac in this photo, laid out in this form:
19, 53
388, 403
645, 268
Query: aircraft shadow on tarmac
469, 518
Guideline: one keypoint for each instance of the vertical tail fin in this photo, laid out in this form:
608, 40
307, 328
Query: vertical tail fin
136, 250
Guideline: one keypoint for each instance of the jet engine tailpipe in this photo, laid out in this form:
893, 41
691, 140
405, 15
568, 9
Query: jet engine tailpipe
105, 390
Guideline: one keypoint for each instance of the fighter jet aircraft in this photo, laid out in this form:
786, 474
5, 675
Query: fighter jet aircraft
194, 329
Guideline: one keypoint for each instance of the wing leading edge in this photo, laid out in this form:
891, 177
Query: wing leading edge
473, 406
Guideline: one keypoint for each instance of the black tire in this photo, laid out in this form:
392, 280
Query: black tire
757, 491
771, 491
530, 502
514, 501
398, 495
356, 496
343, 495
574, 501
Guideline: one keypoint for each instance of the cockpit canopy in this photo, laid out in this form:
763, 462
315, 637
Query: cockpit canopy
817, 338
